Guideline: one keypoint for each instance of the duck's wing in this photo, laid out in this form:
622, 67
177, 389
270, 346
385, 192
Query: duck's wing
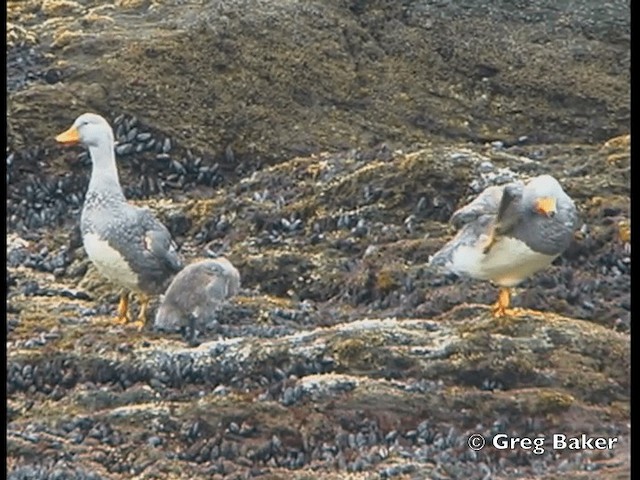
509, 211
472, 234
158, 241
494, 211
487, 203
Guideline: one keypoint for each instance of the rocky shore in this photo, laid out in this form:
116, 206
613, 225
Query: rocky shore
322, 147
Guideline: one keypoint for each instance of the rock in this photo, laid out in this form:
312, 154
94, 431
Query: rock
311, 156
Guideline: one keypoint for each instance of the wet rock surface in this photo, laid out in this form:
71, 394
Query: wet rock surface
321, 147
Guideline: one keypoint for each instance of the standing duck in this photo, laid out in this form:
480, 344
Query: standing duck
508, 233
127, 244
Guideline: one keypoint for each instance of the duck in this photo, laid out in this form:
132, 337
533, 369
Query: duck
509, 233
127, 244
198, 290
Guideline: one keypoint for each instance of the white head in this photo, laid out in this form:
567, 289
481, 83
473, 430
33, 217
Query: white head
89, 129
542, 193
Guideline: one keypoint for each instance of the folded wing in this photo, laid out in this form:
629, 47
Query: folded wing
492, 201
159, 242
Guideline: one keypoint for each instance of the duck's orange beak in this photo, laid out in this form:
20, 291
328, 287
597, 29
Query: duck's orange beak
546, 206
69, 137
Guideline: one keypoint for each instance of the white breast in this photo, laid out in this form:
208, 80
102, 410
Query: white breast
109, 261
508, 263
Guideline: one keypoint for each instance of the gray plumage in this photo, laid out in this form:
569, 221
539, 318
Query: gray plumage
197, 292
144, 243
127, 244
502, 236
484, 204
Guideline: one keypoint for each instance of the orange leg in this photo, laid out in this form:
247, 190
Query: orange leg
499, 309
142, 316
123, 309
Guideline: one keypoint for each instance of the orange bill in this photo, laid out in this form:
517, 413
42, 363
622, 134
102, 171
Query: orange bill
546, 206
69, 137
